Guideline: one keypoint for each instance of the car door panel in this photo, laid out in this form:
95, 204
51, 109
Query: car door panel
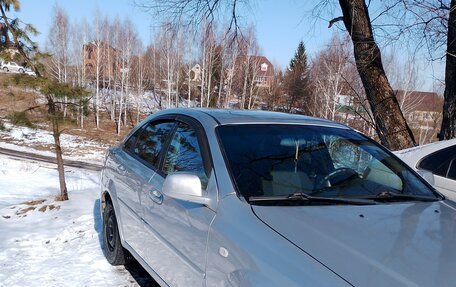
180, 230
135, 177
446, 186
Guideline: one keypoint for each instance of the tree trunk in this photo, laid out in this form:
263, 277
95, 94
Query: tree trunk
60, 168
97, 93
390, 123
448, 129
58, 150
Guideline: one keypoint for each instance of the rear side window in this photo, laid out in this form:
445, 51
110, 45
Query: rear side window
151, 141
438, 162
130, 143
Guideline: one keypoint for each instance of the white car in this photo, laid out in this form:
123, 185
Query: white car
436, 162
12, 67
30, 72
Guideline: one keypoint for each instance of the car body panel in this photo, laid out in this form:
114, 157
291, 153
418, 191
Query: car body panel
256, 255
229, 242
394, 244
131, 178
177, 233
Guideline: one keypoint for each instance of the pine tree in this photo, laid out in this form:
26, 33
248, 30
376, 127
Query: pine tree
19, 34
54, 93
296, 82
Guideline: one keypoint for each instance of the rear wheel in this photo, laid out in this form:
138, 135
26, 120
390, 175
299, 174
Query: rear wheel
5, 69
112, 249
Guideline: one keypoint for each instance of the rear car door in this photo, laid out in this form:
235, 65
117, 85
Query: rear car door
180, 227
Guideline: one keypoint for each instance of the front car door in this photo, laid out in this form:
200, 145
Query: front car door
180, 227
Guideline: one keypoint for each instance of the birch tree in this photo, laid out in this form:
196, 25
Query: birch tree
390, 124
58, 45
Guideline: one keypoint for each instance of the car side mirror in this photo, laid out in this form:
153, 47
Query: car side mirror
184, 186
427, 175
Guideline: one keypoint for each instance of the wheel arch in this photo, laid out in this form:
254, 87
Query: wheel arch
108, 195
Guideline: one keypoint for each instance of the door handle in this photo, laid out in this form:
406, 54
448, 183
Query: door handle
156, 196
121, 167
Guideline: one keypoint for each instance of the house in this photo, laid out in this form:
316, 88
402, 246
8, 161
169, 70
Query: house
423, 112
110, 62
422, 108
259, 68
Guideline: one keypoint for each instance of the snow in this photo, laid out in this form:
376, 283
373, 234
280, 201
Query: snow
74, 147
58, 247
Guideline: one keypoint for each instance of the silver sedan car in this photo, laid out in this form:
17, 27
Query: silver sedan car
247, 198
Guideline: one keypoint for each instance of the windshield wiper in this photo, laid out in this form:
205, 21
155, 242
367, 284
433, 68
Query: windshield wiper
393, 196
303, 197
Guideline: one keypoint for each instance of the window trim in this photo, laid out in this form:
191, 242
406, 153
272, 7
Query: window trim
201, 137
140, 129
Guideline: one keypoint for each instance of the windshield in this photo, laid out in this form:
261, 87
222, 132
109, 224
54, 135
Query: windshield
280, 160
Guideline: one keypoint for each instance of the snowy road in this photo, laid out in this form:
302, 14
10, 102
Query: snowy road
48, 159
48, 243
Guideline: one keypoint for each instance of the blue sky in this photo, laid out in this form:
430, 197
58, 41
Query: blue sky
280, 25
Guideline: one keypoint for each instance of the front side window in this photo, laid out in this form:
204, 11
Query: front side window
281, 160
151, 140
184, 154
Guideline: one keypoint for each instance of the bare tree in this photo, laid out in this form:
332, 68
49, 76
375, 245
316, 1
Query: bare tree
98, 64
427, 25
448, 129
58, 45
390, 123
328, 70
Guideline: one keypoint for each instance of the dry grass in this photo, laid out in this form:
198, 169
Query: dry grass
23, 211
14, 100
34, 202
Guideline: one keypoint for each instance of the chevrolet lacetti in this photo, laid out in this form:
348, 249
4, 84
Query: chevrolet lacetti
248, 198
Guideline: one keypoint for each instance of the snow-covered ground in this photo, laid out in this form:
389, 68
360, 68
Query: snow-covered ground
53, 243
40, 141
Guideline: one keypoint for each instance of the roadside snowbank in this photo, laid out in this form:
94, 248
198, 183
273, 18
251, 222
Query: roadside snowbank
58, 247
33, 140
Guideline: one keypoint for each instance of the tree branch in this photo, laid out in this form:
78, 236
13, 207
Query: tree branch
335, 20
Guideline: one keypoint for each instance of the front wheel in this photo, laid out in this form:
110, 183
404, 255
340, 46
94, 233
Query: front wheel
21, 71
113, 249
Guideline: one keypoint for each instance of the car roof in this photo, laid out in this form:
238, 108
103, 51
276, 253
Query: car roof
428, 148
229, 116
412, 156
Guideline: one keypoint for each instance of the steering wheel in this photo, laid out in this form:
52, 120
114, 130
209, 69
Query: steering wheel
336, 176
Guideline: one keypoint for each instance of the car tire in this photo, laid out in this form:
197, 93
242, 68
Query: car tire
21, 71
5, 69
112, 247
